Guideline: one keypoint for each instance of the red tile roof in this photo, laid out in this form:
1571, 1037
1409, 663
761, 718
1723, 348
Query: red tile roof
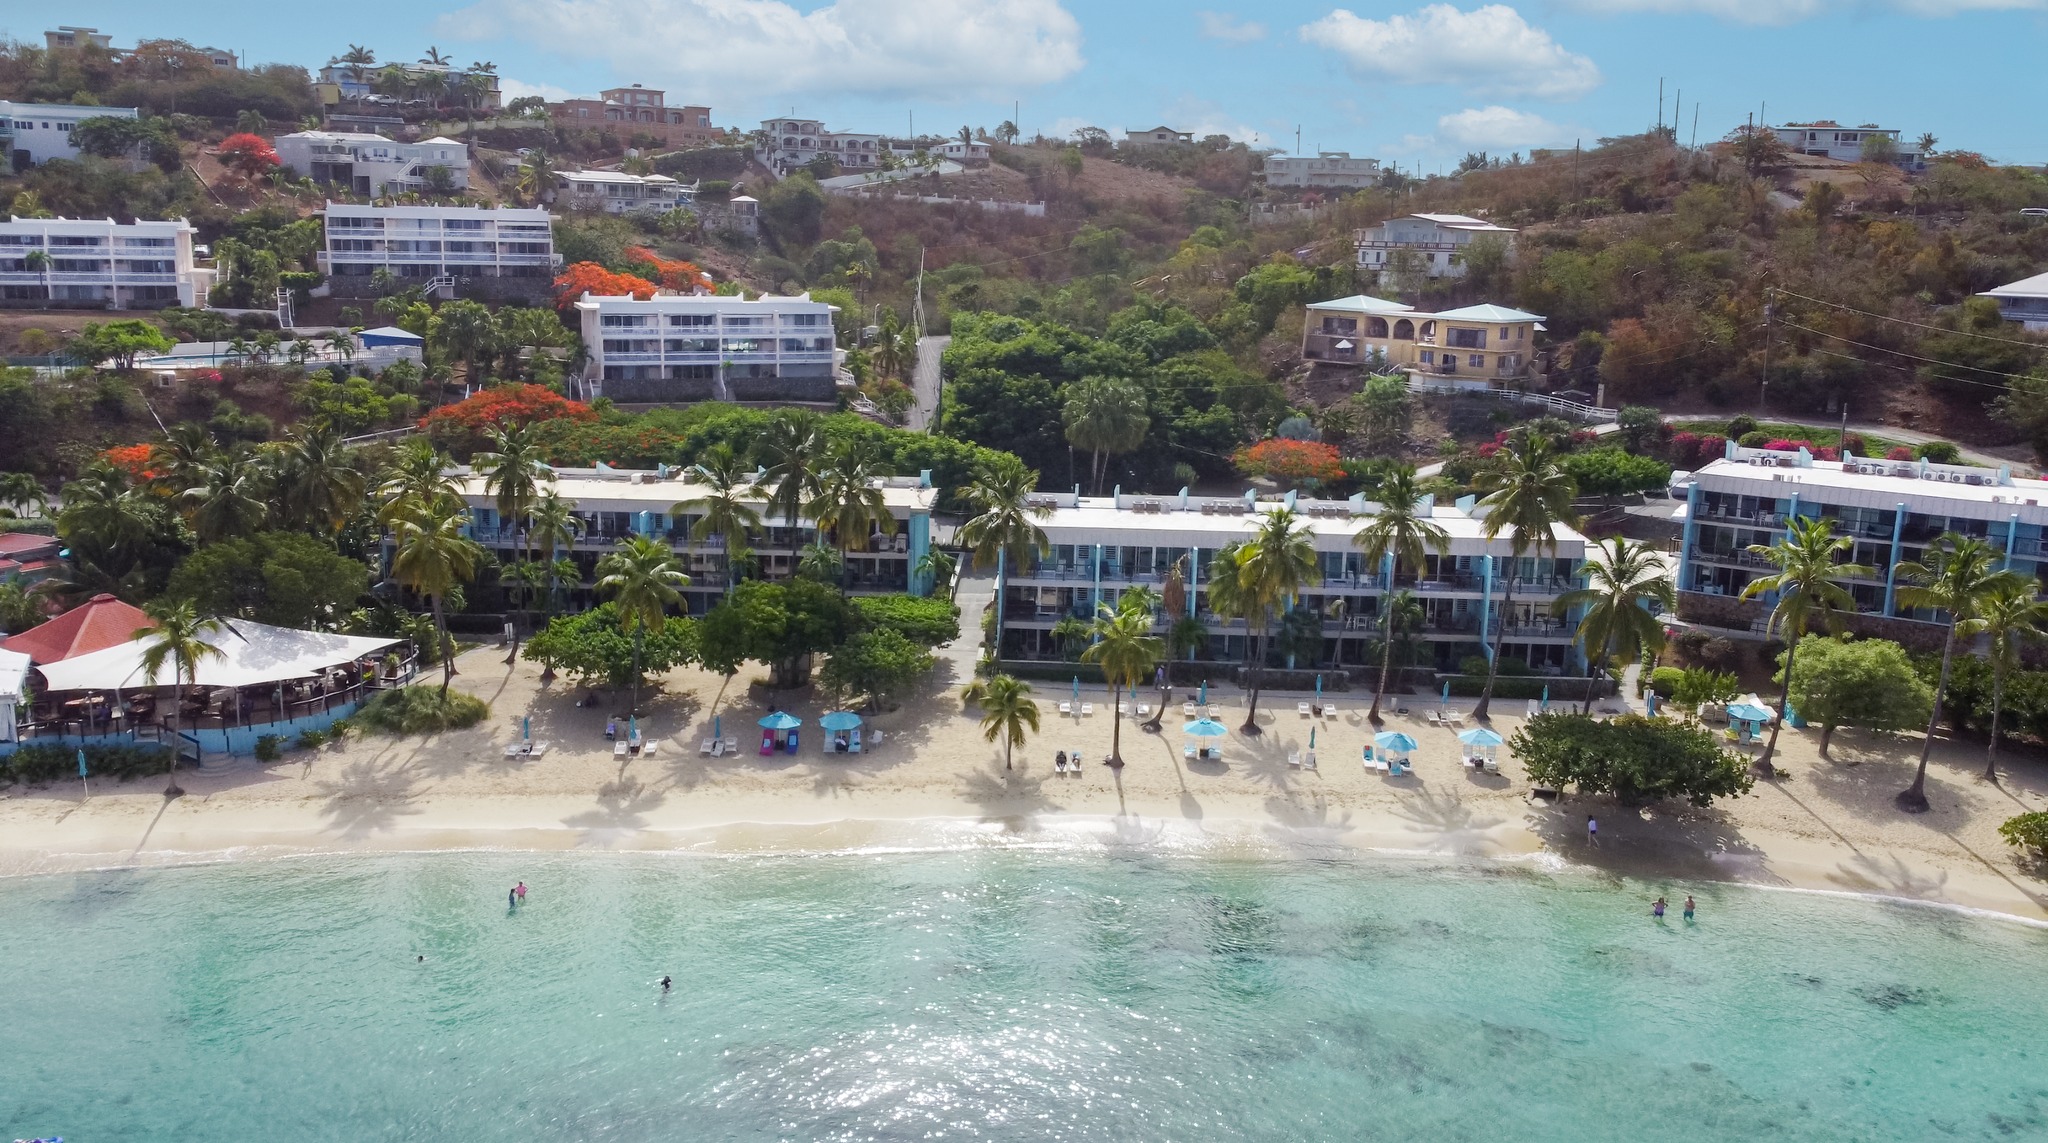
15, 543
96, 624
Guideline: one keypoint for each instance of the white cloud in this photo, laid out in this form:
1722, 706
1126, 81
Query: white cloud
518, 89
1490, 50
1780, 12
1498, 128
1230, 29
702, 49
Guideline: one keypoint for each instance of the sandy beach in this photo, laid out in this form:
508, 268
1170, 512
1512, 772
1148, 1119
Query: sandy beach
1826, 825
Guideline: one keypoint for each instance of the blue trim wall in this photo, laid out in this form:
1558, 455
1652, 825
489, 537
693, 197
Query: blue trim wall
920, 529
231, 740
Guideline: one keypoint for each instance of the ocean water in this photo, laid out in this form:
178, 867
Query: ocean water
1000, 994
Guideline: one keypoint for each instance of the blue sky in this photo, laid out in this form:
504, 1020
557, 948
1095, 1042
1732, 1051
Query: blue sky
1413, 83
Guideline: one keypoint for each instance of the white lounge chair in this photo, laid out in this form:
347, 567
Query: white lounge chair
1491, 765
1119, 710
1302, 709
1088, 709
1144, 710
707, 746
1455, 718
1188, 709
1188, 752
732, 744
1308, 761
1294, 758
1329, 711
646, 749
1532, 709
619, 748
1066, 708
1059, 764
1434, 719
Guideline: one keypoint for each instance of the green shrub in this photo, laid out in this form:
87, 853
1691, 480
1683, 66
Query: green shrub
1939, 452
928, 622
1664, 682
1740, 425
2028, 830
1510, 667
267, 748
310, 739
44, 762
1753, 439
1612, 472
422, 710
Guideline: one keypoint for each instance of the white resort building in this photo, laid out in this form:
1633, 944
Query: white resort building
1473, 346
616, 192
99, 263
673, 348
616, 503
462, 244
372, 165
1102, 545
1325, 169
32, 133
1438, 242
1892, 509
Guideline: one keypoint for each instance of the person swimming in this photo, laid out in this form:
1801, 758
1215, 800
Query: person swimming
1657, 908
1688, 907
664, 984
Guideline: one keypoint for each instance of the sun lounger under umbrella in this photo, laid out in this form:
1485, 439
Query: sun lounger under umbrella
1203, 728
838, 721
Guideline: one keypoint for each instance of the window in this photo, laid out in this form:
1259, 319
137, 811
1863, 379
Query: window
1429, 357
620, 321
1476, 361
693, 321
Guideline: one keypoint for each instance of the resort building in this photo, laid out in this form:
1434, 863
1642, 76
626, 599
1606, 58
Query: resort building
32, 133
791, 144
639, 111
372, 165
672, 348
1158, 137
1326, 169
1480, 344
464, 244
616, 192
100, 263
2024, 303
67, 38
100, 622
1892, 510
1435, 244
616, 503
1101, 546
1829, 139
27, 558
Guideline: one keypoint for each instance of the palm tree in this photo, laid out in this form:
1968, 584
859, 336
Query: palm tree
1526, 495
1007, 711
535, 181
417, 473
21, 494
819, 563
180, 639
2011, 615
1272, 567
1105, 416
431, 556
554, 524
513, 472
358, 60
561, 570
1226, 595
1806, 589
1003, 531
1618, 626
467, 330
231, 499
1403, 531
849, 503
725, 509
105, 519
643, 576
434, 57
182, 456
1127, 651
791, 449
1958, 576
942, 566
318, 484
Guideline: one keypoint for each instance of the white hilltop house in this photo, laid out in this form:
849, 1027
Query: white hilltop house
373, 165
101, 263
1439, 241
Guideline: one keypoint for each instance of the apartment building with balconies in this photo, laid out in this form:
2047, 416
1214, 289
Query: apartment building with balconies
1100, 547
1325, 169
675, 348
505, 251
32, 133
372, 165
1891, 510
616, 503
637, 110
1434, 245
791, 144
2024, 303
616, 192
99, 263
1481, 344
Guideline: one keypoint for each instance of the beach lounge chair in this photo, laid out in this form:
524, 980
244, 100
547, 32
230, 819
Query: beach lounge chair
1329, 711
1532, 709
619, 748
1434, 718
768, 742
719, 748
1059, 764
707, 746
1066, 708
1308, 761
646, 748
516, 750
731, 744
1088, 709
1302, 709
1076, 757
792, 742
1119, 710
1491, 765
1144, 710
1294, 759
1188, 709
1188, 752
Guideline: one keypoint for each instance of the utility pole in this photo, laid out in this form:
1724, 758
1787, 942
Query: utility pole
1660, 105
1694, 145
917, 306
1763, 396
1297, 138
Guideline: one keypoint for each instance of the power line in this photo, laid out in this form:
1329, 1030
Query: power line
1904, 321
1917, 357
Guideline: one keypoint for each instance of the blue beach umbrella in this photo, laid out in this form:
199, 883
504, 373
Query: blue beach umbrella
1204, 699
718, 726
526, 728
840, 720
1480, 736
1077, 688
1319, 692
1447, 694
1205, 728
1545, 704
1650, 697
632, 726
81, 762
1394, 740
1744, 712
781, 720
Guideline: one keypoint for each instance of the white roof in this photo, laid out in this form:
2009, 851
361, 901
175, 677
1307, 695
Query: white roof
1462, 222
615, 490
1093, 520
2034, 287
615, 177
251, 653
13, 675
1362, 303
1877, 488
1489, 312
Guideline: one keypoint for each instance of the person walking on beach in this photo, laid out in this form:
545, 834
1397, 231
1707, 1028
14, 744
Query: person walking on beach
1688, 908
520, 889
1593, 830
1657, 908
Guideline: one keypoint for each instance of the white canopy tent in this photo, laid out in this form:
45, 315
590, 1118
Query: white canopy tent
251, 654
13, 689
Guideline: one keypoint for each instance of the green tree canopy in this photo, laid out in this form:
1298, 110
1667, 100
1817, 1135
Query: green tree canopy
874, 667
1869, 683
593, 649
781, 624
927, 621
287, 579
120, 342
1636, 759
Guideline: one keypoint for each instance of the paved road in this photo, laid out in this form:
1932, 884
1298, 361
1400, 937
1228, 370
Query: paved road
924, 382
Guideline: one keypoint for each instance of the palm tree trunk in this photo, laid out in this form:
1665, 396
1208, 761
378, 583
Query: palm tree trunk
1386, 669
1997, 708
1913, 799
1256, 674
447, 648
1763, 765
1507, 599
1116, 727
171, 789
633, 708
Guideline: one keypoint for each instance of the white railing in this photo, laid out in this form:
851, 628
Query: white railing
1557, 406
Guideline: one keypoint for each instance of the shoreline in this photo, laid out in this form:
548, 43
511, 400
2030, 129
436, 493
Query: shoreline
1827, 827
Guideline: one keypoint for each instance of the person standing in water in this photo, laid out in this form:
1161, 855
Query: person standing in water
520, 889
1657, 908
511, 898
664, 984
1688, 908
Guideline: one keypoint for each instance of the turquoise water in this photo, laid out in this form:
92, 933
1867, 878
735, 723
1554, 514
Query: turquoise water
996, 994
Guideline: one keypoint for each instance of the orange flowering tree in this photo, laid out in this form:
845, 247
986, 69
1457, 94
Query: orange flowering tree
463, 426
1289, 461
670, 273
133, 460
250, 156
590, 278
